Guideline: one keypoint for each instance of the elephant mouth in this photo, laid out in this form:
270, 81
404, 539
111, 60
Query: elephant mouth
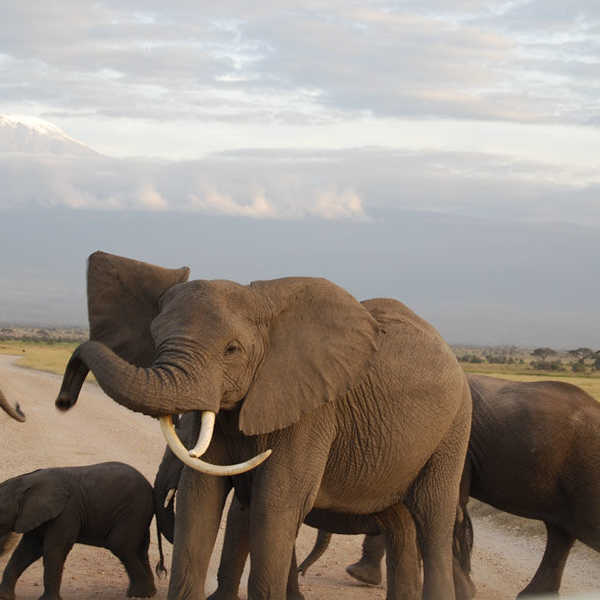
191, 458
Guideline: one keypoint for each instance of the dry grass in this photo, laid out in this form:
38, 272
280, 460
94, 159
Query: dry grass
591, 384
39, 355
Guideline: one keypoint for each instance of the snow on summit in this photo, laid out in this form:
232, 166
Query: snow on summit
32, 135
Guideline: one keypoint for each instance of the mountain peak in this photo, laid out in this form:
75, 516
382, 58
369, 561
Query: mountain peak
31, 135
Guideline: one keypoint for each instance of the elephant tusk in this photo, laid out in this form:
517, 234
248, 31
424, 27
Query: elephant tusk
182, 453
169, 497
205, 435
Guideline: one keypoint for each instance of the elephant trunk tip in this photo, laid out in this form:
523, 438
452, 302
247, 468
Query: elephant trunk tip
65, 401
20, 415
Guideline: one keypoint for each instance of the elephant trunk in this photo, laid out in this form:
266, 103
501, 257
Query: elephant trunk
173, 384
169, 386
13, 411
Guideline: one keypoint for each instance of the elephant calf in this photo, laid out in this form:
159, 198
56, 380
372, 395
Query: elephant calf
108, 505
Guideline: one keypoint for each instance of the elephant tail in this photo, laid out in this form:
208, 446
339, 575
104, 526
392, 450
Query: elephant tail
160, 568
322, 543
463, 539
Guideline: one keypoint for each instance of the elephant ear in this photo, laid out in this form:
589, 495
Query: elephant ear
123, 297
43, 498
319, 342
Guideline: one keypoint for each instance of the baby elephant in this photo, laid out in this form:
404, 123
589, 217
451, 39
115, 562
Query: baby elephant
109, 505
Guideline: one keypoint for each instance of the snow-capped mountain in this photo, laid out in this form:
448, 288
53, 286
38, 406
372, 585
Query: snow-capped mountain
32, 135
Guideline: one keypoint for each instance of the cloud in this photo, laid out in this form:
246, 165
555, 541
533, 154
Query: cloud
338, 205
304, 62
215, 203
342, 185
151, 199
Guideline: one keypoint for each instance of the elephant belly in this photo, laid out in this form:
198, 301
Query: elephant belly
342, 523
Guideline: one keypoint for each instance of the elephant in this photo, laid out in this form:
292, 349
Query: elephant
236, 541
107, 504
13, 411
341, 408
534, 452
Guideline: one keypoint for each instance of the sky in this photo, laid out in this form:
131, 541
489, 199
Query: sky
348, 125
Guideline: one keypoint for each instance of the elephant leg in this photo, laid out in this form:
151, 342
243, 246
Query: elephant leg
402, 557
236, 547
432, 501
133, 553
57, 545
200, 501
28, 550
368, 568
284, 490
549, 574
293, 589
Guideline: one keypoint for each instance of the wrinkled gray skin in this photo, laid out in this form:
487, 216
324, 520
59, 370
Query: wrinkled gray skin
236, 541
108, 505
12, 411
363, 414
534, 452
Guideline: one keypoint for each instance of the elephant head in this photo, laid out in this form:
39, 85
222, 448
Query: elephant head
29, 500
161, 345
13, 411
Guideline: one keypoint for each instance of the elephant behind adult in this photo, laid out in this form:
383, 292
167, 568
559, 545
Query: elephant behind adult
11, 410
534, 451
363, 413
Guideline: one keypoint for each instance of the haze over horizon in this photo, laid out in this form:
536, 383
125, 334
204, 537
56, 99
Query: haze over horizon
448, 157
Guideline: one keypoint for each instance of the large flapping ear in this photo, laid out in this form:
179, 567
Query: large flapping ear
43, 498
123, 299
319, 342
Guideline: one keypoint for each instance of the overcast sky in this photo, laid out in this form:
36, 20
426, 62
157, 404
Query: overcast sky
468, 115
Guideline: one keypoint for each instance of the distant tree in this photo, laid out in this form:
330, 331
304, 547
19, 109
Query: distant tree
543, 353
581, 353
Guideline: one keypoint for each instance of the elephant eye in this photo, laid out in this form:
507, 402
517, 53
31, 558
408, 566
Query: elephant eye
232, 348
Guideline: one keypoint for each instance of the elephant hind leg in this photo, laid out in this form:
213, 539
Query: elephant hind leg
432, 501
368, 568
402, 556
133, 553
549, 574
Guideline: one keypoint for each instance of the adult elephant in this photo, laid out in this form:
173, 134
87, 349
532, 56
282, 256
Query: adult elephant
534, 452
237, 534
364, 414
11, 410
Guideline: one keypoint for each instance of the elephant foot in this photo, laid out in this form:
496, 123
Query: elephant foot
141, 590
365, 573
220, 595
7, 594
46, 596
294, 596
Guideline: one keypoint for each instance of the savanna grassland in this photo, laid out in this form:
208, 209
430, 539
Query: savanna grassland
52, 353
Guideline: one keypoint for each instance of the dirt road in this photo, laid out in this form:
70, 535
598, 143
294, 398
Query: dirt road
507, 549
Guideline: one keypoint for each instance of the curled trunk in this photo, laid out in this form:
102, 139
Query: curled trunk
171, 385
13, 411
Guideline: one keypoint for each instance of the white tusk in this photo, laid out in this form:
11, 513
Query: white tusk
205, 435
169, 497
182, 453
